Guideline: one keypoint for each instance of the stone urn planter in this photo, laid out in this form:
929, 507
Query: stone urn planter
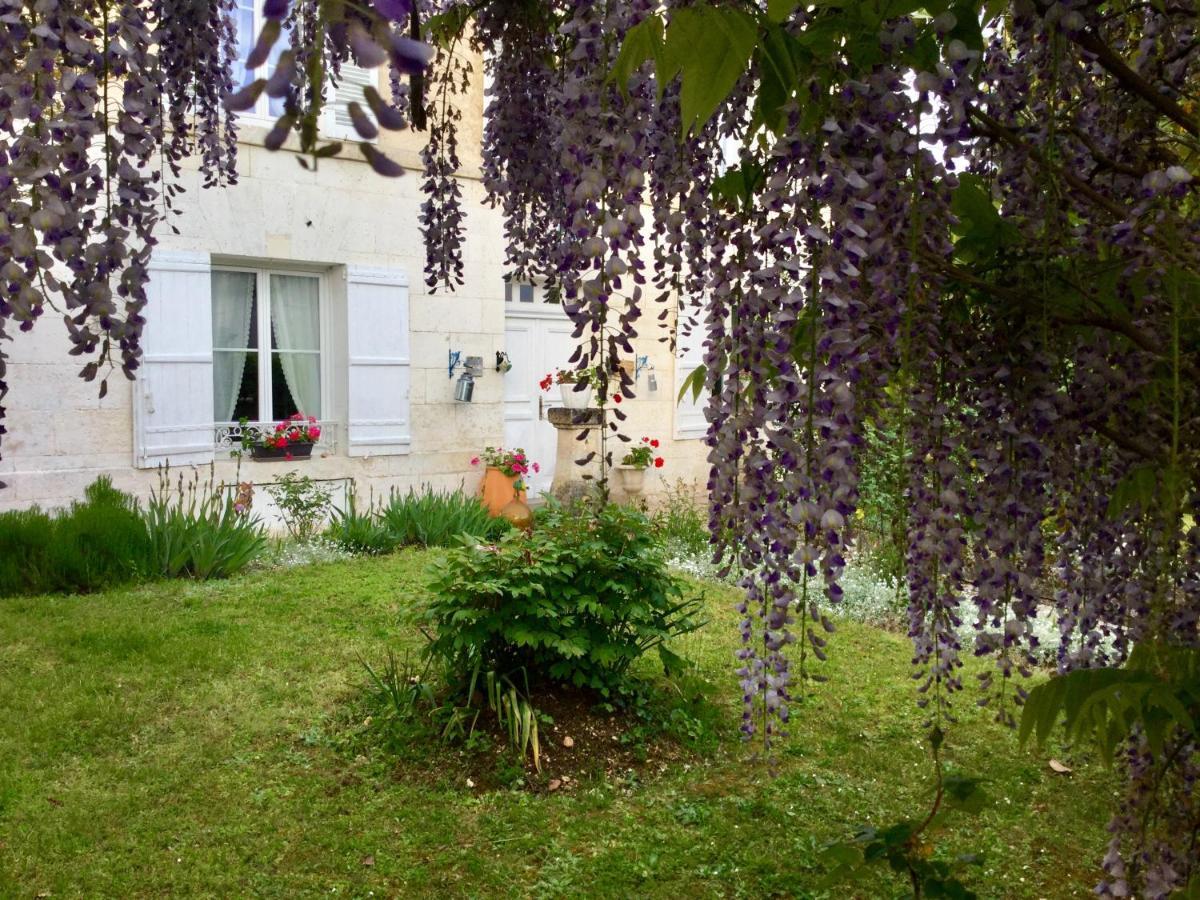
498, 490
573, 399
632, 478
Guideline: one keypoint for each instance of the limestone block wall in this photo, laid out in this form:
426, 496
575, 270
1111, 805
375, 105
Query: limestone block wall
62, 436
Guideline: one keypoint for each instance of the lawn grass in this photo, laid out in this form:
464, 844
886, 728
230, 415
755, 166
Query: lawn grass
181, 739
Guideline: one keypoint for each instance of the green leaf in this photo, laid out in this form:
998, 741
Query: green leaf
778, 60
963, 793
779, 10
643, 42
737, 187
694, 383
710, 48
1138, 487
444, 28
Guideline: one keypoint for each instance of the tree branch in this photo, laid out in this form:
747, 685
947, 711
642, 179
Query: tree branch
1132, 81
1125, 442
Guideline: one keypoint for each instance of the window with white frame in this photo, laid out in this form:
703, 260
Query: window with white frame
262, 341
268, 338
249, 22
335, 121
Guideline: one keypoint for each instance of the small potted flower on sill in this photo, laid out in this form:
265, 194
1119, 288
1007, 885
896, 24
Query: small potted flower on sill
568, 381
504, 476
293, 438
632, 470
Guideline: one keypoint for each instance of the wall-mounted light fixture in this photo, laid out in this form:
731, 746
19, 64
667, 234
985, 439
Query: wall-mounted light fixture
503, 363
472, 368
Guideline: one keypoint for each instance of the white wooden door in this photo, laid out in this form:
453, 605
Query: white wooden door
537, 338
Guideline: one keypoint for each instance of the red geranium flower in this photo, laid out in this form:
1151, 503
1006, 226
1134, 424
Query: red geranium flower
658, 462
654, 443
616, 398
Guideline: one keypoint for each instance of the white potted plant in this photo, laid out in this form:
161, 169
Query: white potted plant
573, 397
632, 471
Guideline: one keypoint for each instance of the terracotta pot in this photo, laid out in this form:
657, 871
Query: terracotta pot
498, 491
573, 399
519, 513
633, 478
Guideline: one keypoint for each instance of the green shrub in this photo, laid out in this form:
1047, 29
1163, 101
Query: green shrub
100, 543
303, 503
360, 531
198, 530
426, 519
25, 539
576, 601
438, 518
681, 522
95, 544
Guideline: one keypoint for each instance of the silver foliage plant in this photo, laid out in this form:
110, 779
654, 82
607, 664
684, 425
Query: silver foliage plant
975, 222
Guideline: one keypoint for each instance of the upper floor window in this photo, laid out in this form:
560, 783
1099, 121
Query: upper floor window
249, 20
267, 345
335, 121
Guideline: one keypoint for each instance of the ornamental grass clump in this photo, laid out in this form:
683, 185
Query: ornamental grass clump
576, 601
198, 530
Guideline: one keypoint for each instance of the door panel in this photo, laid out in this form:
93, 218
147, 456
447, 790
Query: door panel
536, 345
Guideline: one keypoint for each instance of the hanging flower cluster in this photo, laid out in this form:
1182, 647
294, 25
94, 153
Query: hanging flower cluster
984, 235
964, 238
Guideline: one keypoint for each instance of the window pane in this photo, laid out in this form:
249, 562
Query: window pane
295, 384
235, 385
296, 334
234, 306
244, 22
233, 336
295, 313
527, 293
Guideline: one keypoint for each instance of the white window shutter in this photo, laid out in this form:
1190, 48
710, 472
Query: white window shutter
349, 88
379, 377
689, 354
173, 392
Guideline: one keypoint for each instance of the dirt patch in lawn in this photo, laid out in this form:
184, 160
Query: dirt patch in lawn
580, 742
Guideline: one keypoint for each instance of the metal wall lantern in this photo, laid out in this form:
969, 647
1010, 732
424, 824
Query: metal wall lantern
472, 368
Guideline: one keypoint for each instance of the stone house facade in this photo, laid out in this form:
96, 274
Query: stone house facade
303, 290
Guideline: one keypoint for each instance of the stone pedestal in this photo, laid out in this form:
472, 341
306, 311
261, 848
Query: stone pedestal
569, 482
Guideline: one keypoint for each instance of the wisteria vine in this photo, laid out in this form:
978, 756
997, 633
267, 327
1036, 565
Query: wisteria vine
977, 226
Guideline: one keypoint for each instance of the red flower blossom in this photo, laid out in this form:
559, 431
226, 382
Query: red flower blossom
616, 398
658, 462
654, 443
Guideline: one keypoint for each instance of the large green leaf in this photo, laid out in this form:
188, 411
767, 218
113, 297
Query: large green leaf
710, 48
643, 42
779, 10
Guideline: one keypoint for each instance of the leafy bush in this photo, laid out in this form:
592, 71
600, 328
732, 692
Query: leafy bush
425, 519
437, 519
303, 503
681, 522
25, 537
95, 544
196, 529
578, 600
100, 543
362, 532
